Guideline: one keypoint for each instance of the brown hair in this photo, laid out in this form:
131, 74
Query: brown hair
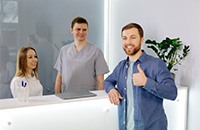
78, 20
21, 67
134, 25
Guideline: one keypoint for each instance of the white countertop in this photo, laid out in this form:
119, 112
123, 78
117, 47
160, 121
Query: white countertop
53, 113
45, 100
52, 99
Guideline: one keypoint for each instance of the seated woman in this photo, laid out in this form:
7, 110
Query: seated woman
26, 72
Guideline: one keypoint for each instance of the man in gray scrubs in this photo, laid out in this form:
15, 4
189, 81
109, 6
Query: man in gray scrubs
81, 66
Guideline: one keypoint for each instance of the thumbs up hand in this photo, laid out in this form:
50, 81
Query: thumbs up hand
139, 79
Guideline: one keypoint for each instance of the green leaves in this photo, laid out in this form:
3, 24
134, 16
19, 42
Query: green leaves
171, 51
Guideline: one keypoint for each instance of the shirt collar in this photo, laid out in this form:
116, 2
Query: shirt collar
142, 58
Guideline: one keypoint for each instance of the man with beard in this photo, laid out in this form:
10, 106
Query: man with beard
142, 82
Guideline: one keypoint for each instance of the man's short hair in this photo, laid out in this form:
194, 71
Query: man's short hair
134, 25
78, 20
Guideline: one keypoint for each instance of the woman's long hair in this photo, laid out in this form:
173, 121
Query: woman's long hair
21, 67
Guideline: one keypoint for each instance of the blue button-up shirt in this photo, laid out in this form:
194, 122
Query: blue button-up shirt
148, 100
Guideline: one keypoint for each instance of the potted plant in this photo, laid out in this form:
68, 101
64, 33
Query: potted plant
171, 51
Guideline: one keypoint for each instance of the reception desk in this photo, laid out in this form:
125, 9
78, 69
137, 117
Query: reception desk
92, 113
176, 111
53, 113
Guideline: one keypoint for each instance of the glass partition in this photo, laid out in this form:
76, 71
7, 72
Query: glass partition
21, 23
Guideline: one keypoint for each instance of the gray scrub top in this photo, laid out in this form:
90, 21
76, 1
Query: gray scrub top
80, 69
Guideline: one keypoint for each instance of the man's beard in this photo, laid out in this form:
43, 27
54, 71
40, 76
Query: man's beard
133, 51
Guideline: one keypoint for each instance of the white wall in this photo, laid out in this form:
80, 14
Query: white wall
173, 18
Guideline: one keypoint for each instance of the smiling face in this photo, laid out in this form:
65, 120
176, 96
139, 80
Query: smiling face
131, 41
32, 60
79, 31
27, 62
